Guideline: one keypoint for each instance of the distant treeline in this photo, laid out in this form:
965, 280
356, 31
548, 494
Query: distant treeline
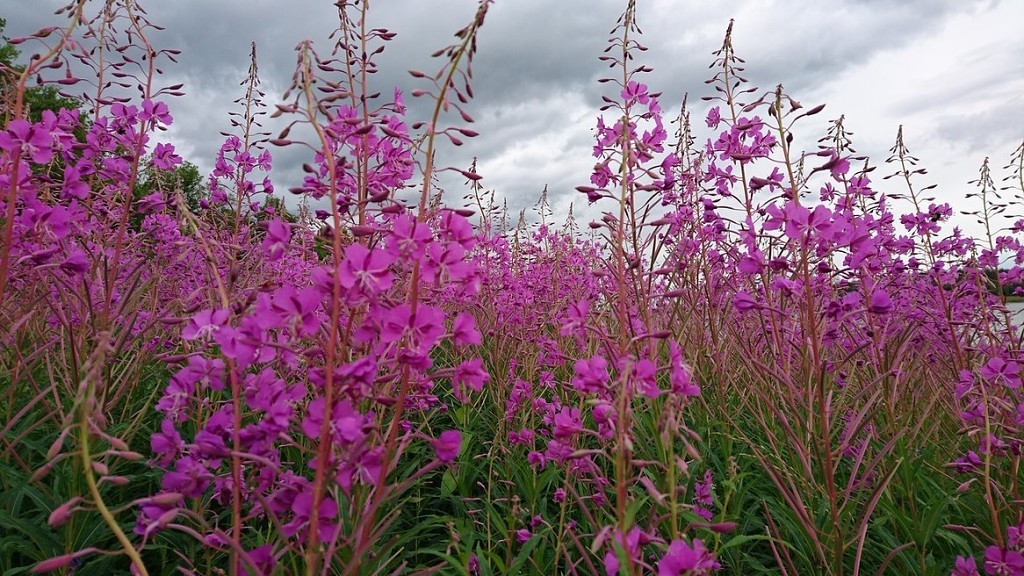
1007, 288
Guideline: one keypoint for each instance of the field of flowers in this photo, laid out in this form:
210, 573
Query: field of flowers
760, 360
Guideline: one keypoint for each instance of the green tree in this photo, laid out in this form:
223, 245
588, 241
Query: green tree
186, 177
37, 98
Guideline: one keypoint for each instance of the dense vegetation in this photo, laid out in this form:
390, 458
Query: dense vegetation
758, 361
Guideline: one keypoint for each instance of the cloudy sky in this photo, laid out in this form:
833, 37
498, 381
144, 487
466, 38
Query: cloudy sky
950, 71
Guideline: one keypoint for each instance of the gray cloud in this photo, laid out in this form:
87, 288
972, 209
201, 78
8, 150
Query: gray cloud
536, 71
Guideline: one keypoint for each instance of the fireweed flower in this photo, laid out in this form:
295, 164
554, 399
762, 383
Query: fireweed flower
366, 271
567, 423
190, 477
164, 157
999, 370
471, 374
590, 375
965, 567
446, 446
1015, 536
445, 261
679, 373
714, 118
880, 302
1000, 562
275, 245
32, 140
347, 423
703, 498
464, 330
167, 443
681, 559
422, 329
644, 374
536, 459
123, 120
408, 238
297, 309
302, 508
245, 344
155, 113
605, 418
968, 462
635, 92
204, 324
575, 320
151, 203
557, 451
263, 558
76, 264
744, 302
632, 544
73, 186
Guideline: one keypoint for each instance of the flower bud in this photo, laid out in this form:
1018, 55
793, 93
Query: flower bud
61, 514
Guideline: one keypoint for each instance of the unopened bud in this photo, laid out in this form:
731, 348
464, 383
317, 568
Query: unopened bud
58, 562
61, 514
117, 443
165, 499
722, 527
57, 446
42, 472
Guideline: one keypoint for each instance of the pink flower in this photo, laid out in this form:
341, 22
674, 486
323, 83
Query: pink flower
151, 203
591, 375
347, 423
155, 112
471, 373
446, 446
679, 375
682, 559
263, 558
424, 327
367, 271
635, 92
303, 510
965, 567
999, 370
567, 423
714, 118
73, 186
166, 443
703, 498
880, 302
276, 242
644, 373
204, 324
408, 238
164, 157
744, 302
30, 139
999, 562
576, 317
298, 309
76, 263
464, 330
